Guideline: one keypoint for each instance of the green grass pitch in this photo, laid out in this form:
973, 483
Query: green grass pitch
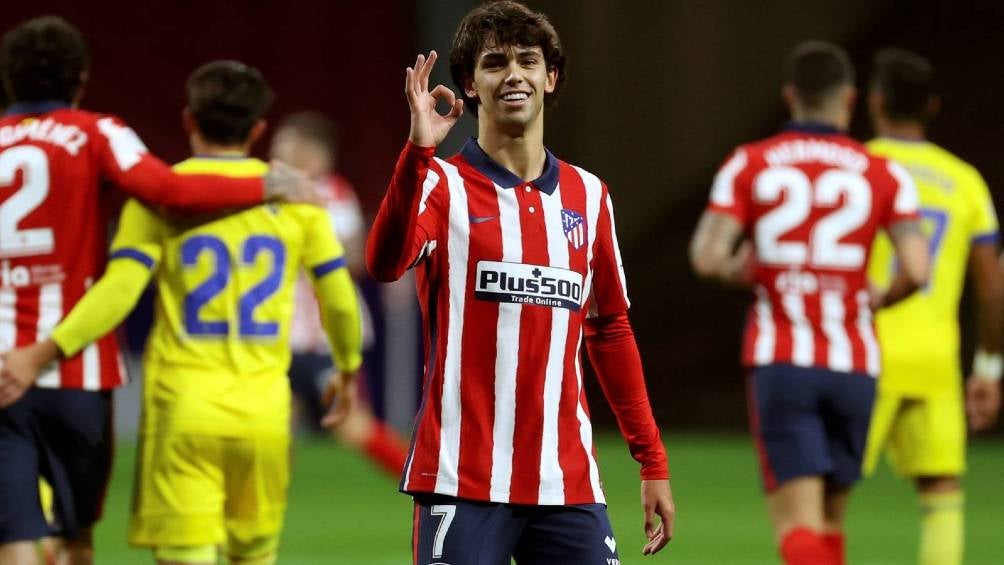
341, 510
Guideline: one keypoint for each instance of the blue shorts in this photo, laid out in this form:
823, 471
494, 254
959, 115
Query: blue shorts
64, 436
453, 531
809, 421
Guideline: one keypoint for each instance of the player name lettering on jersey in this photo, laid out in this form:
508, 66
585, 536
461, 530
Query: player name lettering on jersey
529, 284
816, 151
34, 275
68, 136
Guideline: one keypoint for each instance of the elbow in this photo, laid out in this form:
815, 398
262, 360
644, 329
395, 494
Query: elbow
705, 264
383, 273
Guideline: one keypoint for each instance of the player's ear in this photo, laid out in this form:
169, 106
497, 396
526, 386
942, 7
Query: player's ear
187, 121
469, 89
790, 96
850, 97
552, 80
933, 107
257, 131
79, 94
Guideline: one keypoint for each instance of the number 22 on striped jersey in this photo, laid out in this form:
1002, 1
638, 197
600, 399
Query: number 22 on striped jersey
34, 189
824, 248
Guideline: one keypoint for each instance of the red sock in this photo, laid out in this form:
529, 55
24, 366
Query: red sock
387, 449
835, 541
802, 546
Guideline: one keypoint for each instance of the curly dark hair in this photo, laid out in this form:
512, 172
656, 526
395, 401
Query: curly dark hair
44, 58
226, 99
504, 23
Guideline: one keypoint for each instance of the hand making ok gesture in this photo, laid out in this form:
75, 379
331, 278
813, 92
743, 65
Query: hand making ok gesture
429, 127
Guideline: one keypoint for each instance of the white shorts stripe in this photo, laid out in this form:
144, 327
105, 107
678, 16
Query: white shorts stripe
802, 345
506, 354
50, 312
457, 252
839, 354
867, 331
552, 483
766, 331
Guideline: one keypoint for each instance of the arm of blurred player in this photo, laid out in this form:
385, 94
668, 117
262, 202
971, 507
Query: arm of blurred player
711, 250
405, 227
103, 307
324, 259
914, 260
983, 392
125, 161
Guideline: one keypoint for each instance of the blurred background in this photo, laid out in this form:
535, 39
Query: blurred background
658, 93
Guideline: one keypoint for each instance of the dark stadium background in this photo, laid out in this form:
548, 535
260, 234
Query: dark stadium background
658, 93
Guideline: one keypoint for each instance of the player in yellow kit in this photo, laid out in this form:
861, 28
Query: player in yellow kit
214, 454
918, 415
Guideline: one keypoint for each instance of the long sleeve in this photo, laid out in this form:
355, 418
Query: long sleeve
126, 162
614, 355
336, 295
136, 251
406, 222
324, 259
104, 306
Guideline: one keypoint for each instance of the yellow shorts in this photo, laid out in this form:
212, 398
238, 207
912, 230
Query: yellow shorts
194, 491
925, 436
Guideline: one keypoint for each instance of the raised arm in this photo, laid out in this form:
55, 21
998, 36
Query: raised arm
405, 226
126, 162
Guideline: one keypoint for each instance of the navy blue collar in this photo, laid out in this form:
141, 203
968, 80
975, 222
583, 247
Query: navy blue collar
817, 128
35, 108
476, 156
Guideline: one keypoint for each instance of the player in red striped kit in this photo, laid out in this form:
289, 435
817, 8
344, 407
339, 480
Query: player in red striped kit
807, 204
515, 255
54, 162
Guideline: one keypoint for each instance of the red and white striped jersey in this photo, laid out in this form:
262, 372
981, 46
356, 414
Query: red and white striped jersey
811, 199
506, 271
54, 219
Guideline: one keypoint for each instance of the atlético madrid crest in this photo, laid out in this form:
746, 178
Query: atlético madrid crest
575, 228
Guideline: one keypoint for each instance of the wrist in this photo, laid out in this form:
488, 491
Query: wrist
988, 366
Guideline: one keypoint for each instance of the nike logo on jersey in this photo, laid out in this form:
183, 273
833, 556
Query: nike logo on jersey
481, 219
528, 284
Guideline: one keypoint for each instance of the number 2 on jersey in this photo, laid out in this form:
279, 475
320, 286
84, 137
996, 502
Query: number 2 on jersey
194, 247
824, 248
34, 165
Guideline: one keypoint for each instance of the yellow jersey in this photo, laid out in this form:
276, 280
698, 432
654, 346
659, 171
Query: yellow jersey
218, 353
919, 337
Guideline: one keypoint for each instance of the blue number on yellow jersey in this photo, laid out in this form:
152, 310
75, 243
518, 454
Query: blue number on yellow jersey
920, 336
218, 352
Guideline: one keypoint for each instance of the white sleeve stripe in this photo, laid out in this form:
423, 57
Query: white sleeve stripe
431, 180
617, 251
906, 201
723, 191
